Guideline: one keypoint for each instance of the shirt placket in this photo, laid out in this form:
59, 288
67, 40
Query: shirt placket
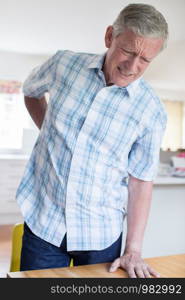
77, 228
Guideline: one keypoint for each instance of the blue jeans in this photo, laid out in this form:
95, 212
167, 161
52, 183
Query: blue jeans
39, 254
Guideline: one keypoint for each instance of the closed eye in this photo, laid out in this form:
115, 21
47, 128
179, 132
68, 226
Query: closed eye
126, 51
146, 60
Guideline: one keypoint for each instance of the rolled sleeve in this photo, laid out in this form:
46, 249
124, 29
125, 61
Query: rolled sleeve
144, 156
41, 78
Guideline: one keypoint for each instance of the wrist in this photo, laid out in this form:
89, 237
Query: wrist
133, 248
132, 252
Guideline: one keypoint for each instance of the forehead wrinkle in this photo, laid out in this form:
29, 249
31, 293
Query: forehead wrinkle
133, 45
137, 46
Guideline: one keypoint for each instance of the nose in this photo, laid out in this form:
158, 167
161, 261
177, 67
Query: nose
132, 65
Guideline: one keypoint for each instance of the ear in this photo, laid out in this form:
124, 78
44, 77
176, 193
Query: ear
108, 36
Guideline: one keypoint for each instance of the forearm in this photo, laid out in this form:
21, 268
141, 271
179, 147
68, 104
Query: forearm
139, 200
140, 194
37, 109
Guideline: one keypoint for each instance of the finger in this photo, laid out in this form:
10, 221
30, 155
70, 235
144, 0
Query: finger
131, 273
115, 265
153, 272
146, 272
139, 272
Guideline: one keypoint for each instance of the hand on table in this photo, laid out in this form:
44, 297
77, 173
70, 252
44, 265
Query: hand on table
134, 265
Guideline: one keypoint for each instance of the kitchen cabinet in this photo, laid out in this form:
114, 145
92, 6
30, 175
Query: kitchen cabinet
12, 169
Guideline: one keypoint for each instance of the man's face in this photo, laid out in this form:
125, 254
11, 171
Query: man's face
128, 56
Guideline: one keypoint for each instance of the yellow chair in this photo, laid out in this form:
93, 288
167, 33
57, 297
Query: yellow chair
16, 248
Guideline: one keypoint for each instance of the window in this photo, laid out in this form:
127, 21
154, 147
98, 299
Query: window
15, 122
174, 137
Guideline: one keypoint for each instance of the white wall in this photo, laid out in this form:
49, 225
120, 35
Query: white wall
44, 26
167, 72
16, 66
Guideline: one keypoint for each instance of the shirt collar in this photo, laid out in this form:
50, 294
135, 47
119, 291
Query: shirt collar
132, 87
97, 63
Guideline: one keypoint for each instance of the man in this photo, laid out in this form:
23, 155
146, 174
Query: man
102, 125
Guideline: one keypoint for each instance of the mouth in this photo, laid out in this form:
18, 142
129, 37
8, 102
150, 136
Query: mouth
123, 74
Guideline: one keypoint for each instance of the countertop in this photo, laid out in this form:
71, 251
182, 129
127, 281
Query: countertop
168, 266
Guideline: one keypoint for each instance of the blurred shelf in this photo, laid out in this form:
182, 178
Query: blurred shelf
160, 180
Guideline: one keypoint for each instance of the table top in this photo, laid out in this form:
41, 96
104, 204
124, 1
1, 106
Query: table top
168, 267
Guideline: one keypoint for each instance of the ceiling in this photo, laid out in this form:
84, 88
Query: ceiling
44, 26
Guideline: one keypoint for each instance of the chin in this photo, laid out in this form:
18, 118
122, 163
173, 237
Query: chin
124, 82
121, 83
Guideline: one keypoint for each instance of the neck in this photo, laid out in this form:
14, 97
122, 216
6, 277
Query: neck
108, 82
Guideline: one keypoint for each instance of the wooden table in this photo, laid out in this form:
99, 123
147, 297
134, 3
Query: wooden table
168, 266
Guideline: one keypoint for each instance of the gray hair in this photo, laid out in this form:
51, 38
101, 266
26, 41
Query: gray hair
143, 20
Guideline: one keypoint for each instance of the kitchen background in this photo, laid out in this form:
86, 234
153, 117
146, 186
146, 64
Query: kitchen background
30, 32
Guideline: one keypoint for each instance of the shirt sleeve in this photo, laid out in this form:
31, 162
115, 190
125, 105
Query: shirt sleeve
41, 78
144, 155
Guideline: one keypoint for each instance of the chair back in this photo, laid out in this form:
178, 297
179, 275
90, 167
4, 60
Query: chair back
17, 234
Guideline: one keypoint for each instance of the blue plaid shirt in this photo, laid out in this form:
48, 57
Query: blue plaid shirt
93, 136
